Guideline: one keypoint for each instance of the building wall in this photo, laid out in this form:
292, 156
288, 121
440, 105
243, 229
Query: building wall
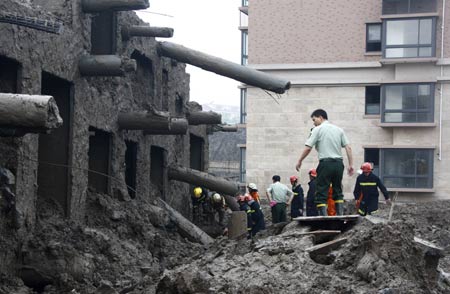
316, 31
97, 103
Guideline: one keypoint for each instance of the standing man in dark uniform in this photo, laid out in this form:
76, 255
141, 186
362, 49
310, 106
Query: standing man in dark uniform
297, 200
311, 209
366, 191
329, 141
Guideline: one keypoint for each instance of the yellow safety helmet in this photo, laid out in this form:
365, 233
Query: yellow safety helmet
198, 192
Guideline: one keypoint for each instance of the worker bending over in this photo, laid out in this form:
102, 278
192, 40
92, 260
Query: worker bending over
255, 216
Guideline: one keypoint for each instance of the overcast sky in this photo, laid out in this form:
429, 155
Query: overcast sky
209, 26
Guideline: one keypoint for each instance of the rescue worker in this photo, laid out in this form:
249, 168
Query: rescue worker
366, 191
218, 205
278, 195
311, 209
297, 200
199, 204
255, 216
253, 191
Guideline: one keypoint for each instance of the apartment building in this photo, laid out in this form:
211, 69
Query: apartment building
380, 68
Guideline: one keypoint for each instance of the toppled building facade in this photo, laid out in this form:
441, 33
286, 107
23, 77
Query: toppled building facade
90, 151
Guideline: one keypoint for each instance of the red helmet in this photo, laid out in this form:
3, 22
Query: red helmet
244, 198
313, 172
293, 179
366, 167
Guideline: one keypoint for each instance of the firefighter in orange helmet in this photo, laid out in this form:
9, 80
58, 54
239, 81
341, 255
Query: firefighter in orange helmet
366, 190
311, 209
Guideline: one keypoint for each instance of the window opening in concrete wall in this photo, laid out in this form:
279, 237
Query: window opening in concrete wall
244, 47
373, 99
54, 151
9, 75
179, 104
165, 90
196, 151
131, 167
408, 103
157, 168
373, 37
144, 80
99, 160
103, 33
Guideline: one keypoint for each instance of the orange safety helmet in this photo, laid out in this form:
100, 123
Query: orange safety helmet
293, 179
366, 167
313, 172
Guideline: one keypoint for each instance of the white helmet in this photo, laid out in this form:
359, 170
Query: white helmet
216, 197
252, 186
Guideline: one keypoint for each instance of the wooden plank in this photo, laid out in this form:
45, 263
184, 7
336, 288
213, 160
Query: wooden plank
327, 247
193, 232
427, 244
353, 217
314, 233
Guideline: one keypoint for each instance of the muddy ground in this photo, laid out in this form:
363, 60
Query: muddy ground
130, 247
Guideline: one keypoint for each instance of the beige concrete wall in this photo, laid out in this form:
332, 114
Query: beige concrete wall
318, 31
276, 134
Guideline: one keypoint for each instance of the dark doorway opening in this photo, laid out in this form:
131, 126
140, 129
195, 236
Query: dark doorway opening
99, 160
103, 33
9, 75
157, 168
196, 151
143, 81
54, 148
165, 90
131, 167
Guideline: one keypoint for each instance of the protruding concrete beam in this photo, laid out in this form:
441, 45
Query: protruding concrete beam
93, 6
202, 179
156, 123
224, 67
204, 118
20, 114
146, 31
105, 65
225, 128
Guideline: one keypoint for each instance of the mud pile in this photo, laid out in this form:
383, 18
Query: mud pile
131, 247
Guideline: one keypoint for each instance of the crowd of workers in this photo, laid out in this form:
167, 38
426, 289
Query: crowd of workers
324, 197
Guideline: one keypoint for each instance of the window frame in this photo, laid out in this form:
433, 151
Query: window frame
244, 47
383, 10
381, 167
383, 103
374, 42
242, 164
384, 46
430, 166
366, 104
243, 108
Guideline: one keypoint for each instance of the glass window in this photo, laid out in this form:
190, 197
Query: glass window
373, 37
408, 6
243, 20
244, 48
373, 100
407, 168
408, 103
242, 176
244, 2
243, 106
405, 38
